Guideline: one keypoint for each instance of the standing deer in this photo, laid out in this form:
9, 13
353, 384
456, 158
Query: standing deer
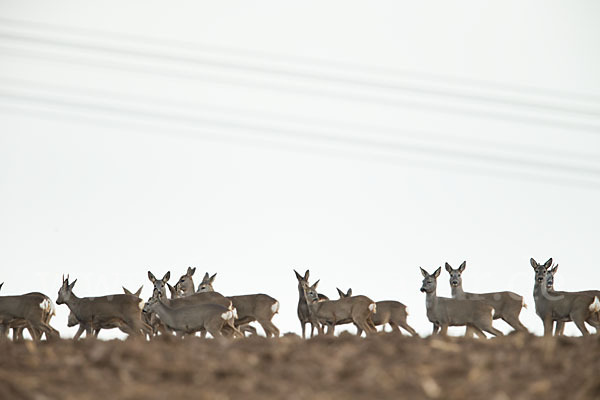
94, 311
303, 312
190, 319
32, 311
389, 312
252, 307
444, 312
109, 324
551, 305
356, 309
507, 305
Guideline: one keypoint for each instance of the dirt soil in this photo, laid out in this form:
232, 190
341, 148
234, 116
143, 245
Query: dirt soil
386, 366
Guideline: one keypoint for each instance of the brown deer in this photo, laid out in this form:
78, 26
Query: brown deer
554, 306
93, 311
355, 309
252, 307
444, 312
507, 305
389, 312
32, 311
303, 312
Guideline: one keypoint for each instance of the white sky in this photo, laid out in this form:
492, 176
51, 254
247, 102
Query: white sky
130, 176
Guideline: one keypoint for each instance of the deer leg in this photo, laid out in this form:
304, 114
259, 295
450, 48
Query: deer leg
478, 332
515, 323
359, 331
443, 329
559, 329
303, 326
436, 328
408, 328
394, 326
269, 328
493, 330
548, 326
79, 332
469, 331
579, 322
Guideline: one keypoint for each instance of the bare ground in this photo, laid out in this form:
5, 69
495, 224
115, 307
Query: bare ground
381, 367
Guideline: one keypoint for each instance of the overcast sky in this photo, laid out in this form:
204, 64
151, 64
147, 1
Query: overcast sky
361, 140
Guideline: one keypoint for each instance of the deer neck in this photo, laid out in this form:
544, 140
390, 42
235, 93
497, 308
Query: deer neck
458, 292
163, 313
74, 303
301, 295
431, 300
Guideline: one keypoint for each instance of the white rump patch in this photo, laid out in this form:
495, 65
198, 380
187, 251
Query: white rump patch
235, 315
407, 311
493, 312
44, 305
373, 308
141, 304
595, 306
227, 315
275, 307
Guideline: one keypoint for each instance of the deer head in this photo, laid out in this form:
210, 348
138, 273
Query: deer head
456, 274
159, 285
185, 284
430, 281
540, 269
66, 291
206, 284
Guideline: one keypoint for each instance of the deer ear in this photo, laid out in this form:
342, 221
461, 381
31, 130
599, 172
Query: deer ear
139, 291
553, 270
206, 276
1, 285
151, 277
448, 268
191, 271
342, 295
314, 286
166, 277
212, 278
462, 266
437, 272
306, 274
424, 273
298, 276
125, 290
548, 263
349, 294
72, 284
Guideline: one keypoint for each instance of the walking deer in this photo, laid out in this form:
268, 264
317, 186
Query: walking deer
551, 305
444, 312
109, 324
252, 307
560, 325
190, 319
355, 309
507, 305
389, 312
304, 314
32, 311
94, 311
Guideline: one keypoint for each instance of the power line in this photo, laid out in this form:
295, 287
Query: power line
472, 112
356, 127
311, 138
295, 60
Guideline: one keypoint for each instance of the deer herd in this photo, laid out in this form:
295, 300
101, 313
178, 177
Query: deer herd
188, 310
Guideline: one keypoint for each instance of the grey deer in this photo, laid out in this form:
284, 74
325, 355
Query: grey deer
32, 311
560, 325
389, 312
553, 306
109, 324
355, 309
94, 311
251, 307
507, 305
189, 319
444, 312
303, 312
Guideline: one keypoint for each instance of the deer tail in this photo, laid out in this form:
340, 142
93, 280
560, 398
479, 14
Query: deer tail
595, 306
373, 308
275, 307
227, 315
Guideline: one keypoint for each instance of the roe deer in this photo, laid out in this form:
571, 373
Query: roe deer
356, 309
190, 319
552, 306
18, 325
110, 324
251, 307
560, 325
93, 311
507, 305
303, 312
389, 312
444, 312
32, 311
